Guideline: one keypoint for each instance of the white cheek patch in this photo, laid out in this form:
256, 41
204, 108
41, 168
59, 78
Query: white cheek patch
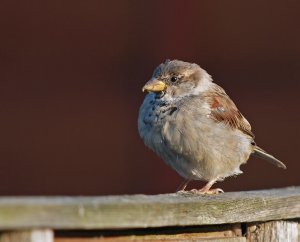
203, 84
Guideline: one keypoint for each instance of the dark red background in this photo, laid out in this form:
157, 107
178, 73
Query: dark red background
71, 74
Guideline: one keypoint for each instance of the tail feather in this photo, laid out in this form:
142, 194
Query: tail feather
259, 152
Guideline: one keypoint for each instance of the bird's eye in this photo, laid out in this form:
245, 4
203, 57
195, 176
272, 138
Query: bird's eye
174, 78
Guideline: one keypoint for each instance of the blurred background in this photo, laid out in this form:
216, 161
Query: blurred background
71, 74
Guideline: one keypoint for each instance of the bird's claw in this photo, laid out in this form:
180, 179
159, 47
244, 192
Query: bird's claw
202, 192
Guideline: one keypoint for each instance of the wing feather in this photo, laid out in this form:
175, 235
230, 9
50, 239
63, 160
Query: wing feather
224, 110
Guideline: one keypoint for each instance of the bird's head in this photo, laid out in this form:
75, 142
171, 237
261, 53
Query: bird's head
178, 78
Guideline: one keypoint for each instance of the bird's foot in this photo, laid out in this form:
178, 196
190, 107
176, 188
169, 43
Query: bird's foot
207, 192
203, 191
182, 192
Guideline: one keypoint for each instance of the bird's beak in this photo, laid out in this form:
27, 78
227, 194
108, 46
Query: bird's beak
154, 85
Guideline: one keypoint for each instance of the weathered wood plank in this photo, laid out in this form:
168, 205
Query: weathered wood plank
141, 211
41, 235
275, 231
299, 232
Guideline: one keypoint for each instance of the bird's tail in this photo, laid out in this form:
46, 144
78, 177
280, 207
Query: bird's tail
259, 152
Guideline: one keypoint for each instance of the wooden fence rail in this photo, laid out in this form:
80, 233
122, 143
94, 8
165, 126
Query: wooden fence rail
266, 215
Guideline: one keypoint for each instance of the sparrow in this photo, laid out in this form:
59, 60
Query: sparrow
193, 125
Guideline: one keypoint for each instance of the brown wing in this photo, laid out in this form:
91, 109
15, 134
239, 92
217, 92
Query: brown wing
224, 110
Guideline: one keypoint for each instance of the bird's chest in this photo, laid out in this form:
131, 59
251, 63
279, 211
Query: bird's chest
157, 113
154, 115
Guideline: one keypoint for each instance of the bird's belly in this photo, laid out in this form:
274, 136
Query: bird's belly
177, 161
205, 152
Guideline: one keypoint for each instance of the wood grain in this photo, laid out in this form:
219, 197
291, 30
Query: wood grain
42, 235
134, 239
275, 231
144, 211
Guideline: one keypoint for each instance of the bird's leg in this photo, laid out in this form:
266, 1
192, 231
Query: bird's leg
206, 189
182, 186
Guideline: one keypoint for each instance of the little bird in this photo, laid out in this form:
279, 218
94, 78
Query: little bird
193, 125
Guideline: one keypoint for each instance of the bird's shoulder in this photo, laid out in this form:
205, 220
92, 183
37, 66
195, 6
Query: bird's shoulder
222, 109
